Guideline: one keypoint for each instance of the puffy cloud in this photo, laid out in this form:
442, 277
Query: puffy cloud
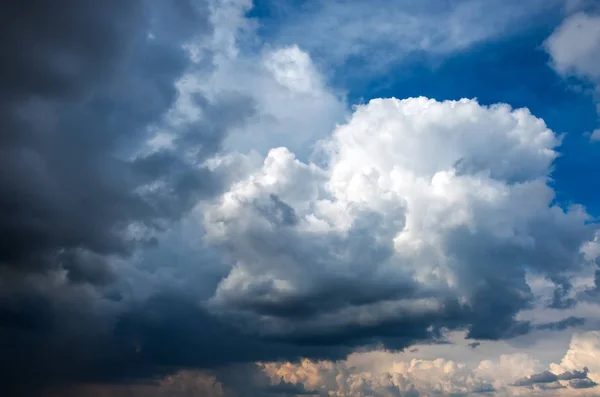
574, 48
583, 353
414, 378
286, 86
365, 374
423, 213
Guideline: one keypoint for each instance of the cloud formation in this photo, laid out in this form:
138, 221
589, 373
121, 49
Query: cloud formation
365, 374
418, 206
373, 36
107, 133
83, 193
574, 48
185, 200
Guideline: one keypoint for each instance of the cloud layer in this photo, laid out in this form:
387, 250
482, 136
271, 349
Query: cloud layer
386, 375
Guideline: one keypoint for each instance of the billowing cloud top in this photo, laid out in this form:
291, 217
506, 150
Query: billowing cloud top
425, 214
190, 207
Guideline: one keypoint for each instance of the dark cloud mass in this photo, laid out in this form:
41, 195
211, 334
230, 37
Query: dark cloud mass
82, 82
89, 82
75, 108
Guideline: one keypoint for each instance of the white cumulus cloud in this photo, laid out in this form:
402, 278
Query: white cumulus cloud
422, 213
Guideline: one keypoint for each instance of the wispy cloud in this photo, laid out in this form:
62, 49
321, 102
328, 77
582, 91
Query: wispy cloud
374, 35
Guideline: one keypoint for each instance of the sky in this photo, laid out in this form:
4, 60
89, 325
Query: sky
342, 198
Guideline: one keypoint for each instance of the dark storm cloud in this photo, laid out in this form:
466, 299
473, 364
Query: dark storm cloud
155, 338
173, 330
60, 49
82, 81
502, 291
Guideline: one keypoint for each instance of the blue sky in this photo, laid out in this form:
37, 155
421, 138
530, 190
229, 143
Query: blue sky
514, 71
511, 68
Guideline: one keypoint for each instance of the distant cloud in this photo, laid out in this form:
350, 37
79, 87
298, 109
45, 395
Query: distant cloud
574, 48
544, 377
582, 384
549, 380
442, 377
562, 324
374, 35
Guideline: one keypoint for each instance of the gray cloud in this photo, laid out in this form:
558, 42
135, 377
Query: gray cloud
544, 377
573, 375
84, 85
549, 381
82, 94
593, 293
582, 383
561, 298
562, 324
